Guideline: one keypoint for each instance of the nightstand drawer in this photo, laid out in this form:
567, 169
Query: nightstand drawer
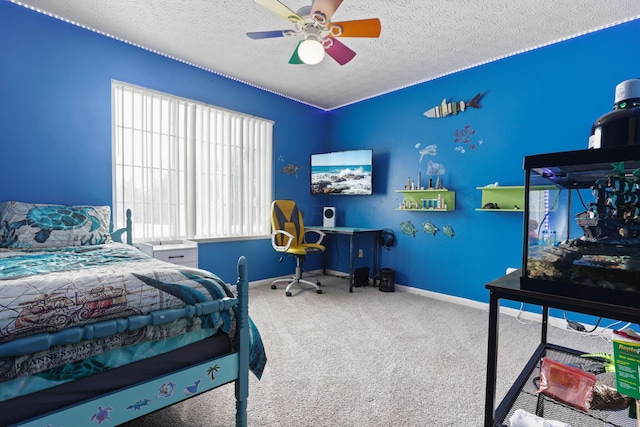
182, 252
177, 256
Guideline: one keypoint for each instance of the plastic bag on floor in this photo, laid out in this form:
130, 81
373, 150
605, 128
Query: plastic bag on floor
522, 418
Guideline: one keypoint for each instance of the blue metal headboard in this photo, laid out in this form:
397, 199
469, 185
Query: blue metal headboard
117, 234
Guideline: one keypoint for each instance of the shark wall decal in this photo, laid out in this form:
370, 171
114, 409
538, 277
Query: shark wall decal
452, 108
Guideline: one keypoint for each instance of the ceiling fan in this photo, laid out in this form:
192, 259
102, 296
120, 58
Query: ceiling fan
319, 34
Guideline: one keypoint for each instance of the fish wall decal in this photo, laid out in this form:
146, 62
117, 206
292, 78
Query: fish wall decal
290, 169
430, 150
452, 108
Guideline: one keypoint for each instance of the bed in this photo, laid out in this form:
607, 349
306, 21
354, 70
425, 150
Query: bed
94, 332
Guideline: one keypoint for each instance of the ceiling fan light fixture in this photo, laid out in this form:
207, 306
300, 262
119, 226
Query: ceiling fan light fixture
311, 51
319, 35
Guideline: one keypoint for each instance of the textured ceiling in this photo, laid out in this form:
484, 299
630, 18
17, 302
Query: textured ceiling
420, 40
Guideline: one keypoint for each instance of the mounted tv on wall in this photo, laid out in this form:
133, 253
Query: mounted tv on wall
345, 173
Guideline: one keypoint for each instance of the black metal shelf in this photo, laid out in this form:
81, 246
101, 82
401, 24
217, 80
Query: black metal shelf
522, 393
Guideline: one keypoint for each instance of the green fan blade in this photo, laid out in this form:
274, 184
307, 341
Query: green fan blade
295, 59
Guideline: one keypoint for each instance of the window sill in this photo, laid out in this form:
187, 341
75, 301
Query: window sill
230, 239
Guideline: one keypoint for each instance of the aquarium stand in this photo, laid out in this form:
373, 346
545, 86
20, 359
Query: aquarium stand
522, 393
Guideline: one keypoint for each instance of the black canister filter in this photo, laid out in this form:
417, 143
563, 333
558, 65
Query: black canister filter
622, 125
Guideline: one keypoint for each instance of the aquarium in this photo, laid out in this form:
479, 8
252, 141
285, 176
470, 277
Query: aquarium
582, 224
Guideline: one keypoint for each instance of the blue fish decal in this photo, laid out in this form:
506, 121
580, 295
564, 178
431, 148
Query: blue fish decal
139, 404
191, 389
430, 150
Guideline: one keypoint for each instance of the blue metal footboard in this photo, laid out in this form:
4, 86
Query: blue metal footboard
170, 387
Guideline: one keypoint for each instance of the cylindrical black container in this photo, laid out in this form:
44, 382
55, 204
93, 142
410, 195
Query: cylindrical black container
361, 277
618, 127
387, 280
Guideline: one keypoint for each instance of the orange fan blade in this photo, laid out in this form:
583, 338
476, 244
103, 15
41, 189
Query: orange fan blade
359, 28
279, 9
326, 7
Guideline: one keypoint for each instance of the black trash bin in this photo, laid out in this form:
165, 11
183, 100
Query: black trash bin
387, 280
361, 277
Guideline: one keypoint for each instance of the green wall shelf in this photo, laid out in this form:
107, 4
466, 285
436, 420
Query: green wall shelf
415, 197
507, 197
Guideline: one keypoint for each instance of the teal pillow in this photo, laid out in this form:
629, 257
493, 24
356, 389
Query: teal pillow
29, 225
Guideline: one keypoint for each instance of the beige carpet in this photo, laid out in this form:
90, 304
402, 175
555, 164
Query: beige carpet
369, 359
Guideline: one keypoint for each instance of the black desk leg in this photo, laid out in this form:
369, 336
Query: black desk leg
324, 262
351, 262
492, 361
375, 258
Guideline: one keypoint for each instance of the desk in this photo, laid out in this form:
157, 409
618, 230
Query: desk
351, 231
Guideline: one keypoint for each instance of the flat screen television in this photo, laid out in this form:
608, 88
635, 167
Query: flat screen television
345, 173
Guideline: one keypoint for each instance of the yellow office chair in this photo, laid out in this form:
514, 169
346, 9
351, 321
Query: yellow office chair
288, 236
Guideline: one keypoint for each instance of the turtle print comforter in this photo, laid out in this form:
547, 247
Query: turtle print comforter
60, 305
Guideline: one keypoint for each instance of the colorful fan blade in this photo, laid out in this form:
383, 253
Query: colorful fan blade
295, 59
327, 7
341, 53
257, 35
279, 9
359, 28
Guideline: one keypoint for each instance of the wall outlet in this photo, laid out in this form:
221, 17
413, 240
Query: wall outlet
360, 253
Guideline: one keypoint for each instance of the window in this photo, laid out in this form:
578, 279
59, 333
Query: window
188, 170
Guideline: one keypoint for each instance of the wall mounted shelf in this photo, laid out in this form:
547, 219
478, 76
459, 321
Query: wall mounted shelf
506, 197
416, 197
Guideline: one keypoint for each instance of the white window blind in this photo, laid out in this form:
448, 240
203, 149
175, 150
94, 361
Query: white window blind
187, 169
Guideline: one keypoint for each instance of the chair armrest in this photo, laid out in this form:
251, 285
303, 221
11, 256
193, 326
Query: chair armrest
320, 233
286, 245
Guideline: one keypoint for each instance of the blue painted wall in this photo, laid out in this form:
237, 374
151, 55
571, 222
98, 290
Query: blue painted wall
536, 102
56, 131
55, 94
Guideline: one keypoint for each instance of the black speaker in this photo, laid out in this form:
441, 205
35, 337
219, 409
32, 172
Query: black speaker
361, 277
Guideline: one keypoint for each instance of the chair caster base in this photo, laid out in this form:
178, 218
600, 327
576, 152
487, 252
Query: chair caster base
288, 294
274, 287
319, 291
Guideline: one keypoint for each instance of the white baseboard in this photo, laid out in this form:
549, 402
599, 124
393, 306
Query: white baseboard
520, 314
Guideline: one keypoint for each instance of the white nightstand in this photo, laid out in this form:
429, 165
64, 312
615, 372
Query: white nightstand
182, 252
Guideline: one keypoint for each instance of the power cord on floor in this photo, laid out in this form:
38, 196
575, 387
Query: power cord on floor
577, 326
521, 311
604, 333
